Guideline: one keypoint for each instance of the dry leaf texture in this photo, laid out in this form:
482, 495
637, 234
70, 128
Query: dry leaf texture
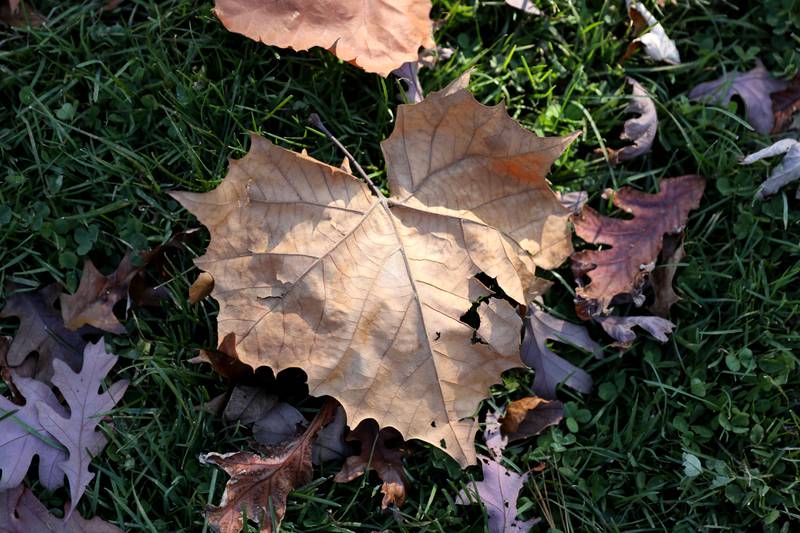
787, 171
376, 35
620, 328
635, 244
524, 5
641, 130
656, 44
530, 416
22, 512
661, 278
366, 293
785, 104
260, 484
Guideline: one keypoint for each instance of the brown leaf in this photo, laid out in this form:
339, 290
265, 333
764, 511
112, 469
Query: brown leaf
41, 331
641, 130
260, 484
201, 287
380, 451
225, 360
22, 512
785, 104
375, 35
366, 293
573, 200
620, 328
661, 278
530, 416
17, 14
635, 244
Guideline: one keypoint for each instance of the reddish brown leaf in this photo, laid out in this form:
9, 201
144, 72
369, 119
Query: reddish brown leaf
661, 279
17, 14
260, 484
635, 244
380, 451
225, 360
785, 104
530, 416
22, 512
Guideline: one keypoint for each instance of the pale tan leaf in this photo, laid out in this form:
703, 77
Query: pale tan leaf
375, 35
201, 287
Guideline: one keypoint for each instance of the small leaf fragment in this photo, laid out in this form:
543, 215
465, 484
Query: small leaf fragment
201, 287
524, 5
785, 105
787, 171
640, 130
530, 416
620, 328
656, 44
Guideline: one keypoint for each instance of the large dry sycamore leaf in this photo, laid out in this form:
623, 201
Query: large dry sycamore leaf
376, 35
635, 244
366, 293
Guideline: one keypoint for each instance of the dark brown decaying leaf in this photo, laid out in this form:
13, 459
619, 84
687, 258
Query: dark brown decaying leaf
550, 368
785, 105
640, 130
753, 86
201, 287
78, 431
17, 14
530, 416
635, 244
380, 451
375, 35
620, 328
259, 484
41, 330
661, 278
225, 361
22, 512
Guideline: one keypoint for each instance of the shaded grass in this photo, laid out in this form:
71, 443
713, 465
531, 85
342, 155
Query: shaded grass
105, 112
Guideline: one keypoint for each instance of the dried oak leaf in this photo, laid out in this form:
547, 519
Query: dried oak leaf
530, 416
375, 35
22, 512
635, 243
380, 451
753, 86
524, 5
41, 330
620, 328
78, 431
22, 436
656, 44
785, 104
641, 130
260, 484
273, 421
330, 443
661, 278
366, 293
787, 171
225, 360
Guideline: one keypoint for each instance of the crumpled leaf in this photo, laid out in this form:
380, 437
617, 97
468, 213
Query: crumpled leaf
366, 294
656, 44
620, 328
330, 444
550, 368
225, 360
380, 451
787, 171
78, 431
41, 330
375, 35
635, 243
530, 416
785, 104
409, 74
260, 483
573, 200
499, 490
661, 278
22, 512
641, 130
524, 5
201, 287
22, 436
753, 86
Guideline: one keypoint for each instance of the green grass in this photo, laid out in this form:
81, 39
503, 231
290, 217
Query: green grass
103, 113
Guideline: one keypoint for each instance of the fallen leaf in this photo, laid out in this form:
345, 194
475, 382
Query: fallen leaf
641, 130
225, 360
111, 5
380, 451
498, 492
375, 35
550, 368
785, 104
201, 287
656, 44
22, 512
78, 431
23, 437
17, 14
259, 484
620, 328
530, 416
661, 278
500, 326
524, 5
635, 243
366, 293
330, 443
41, 331
409, 74
573, 201
787, 171
493, 434
753, 86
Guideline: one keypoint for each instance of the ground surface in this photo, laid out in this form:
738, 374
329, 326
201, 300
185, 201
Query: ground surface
102, 113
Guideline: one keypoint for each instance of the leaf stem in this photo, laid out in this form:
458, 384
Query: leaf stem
315, 121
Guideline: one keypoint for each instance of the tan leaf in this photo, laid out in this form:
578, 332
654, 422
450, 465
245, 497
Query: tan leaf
365, 293
260, 484
201, 287
635, 244
530, 416
375, 35
380, 451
